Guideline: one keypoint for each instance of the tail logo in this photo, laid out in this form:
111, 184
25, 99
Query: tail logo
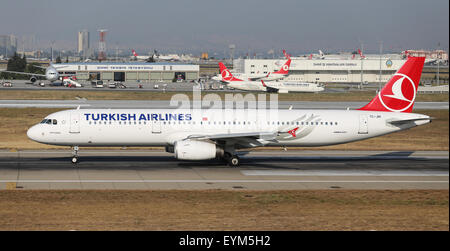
226, 75
403, 94
285, 67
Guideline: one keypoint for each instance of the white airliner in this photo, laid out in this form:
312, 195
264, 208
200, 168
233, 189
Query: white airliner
273, 86
137, 57
194, 134
271, 76
51, 73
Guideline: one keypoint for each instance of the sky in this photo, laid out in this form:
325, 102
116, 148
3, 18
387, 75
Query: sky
252, 25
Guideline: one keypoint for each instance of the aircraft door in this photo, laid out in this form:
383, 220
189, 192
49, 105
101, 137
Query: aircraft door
74, 122
363, 125
156, 126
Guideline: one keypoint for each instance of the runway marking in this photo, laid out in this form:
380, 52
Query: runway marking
225, 181
41, 105
343, 173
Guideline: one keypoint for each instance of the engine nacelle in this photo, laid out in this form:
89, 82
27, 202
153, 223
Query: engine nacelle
196, 150
33, 79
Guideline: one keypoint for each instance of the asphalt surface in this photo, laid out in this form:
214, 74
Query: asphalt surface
259, 170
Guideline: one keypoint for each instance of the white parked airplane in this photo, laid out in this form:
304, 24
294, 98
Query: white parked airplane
51, 73
273, 86
282, 73
137, 57
194, 134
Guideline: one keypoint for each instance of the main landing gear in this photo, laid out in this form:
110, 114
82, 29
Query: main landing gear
75, 154
232, 159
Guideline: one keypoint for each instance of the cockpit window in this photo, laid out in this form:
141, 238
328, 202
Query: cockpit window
49, 121
43, 121
54, 122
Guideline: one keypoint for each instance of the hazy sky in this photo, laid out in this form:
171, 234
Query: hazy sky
252, 25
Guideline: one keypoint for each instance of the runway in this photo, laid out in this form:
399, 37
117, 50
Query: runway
157, 104
260, 170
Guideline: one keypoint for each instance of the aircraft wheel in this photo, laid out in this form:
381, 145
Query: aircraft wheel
234, 160
74, 160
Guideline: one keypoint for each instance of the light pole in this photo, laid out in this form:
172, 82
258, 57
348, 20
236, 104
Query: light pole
438, 63
381, 51
362, 62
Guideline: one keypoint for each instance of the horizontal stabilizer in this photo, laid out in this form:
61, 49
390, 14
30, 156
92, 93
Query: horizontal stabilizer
406, 121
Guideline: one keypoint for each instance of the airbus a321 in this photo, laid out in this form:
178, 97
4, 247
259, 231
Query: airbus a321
194, 134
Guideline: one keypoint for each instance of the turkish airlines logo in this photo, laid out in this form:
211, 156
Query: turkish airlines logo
285, 67
293, 132
400, 96
226, 75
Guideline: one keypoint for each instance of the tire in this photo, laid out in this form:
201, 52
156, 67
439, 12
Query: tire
234, 161
74, 160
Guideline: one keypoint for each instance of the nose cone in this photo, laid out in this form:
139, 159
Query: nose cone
33, 133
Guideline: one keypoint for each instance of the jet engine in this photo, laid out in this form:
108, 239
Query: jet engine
196, 150
33, 79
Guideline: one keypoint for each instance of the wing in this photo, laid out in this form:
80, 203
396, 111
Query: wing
239, 140
269, 88
24, 73
256, 78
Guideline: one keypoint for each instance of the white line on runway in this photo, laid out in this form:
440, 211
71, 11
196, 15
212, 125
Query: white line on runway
41, 105
225, 181
342, 173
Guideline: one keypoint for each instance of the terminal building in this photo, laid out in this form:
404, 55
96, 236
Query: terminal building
326, 70
130, 71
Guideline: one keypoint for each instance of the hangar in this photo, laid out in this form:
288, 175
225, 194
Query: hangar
327, 70
130, 71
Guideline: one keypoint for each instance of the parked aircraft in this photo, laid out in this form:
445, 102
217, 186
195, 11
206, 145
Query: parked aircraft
261, 85
51, 73
281, 73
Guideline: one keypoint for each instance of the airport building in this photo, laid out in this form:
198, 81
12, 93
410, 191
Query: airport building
130, 71
326, 70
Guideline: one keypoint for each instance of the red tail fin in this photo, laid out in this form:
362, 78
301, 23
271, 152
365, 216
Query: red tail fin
226, 74
285, 68
134, 53
399, 93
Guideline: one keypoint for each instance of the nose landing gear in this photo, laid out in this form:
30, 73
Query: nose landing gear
75, 154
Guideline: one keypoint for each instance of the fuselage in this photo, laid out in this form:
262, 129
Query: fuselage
162, 127
51, 74
250, 77
276, 86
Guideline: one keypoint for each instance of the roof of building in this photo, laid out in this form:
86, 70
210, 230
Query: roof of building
124, 63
